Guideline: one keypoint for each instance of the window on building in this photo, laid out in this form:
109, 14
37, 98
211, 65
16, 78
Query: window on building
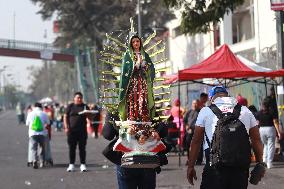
243, 22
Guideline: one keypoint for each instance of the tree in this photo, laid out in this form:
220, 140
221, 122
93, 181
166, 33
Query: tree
198, 14
10, 96
84, 23
87, 21
53, 80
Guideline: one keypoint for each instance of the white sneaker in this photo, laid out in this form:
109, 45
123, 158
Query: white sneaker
70, 168
269, 165
93, 134
83, 168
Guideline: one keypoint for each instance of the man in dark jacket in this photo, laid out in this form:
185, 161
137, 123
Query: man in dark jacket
130, 177
189, 123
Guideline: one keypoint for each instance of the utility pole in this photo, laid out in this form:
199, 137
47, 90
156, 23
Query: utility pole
139, 10
280, 37
280, 53
278, 7
14, 26
46, 66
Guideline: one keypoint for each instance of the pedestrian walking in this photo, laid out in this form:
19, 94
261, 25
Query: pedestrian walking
177, 112
136, 103
29, 163
37, 121
75, 126
130, 178
189, 123
227, 127
95, 120
203, 99
269, 128
20, 113
58, 117
48, 160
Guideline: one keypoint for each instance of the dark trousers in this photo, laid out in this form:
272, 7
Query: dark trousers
21, 118
187, 141
77, 138
223, 178
96, 129
135, 178
282, 147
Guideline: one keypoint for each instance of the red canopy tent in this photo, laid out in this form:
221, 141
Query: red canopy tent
222, 64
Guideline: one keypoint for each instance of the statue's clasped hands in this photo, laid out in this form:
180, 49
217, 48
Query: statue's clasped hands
140, 64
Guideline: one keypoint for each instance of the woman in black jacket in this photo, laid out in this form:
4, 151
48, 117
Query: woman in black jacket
268, 128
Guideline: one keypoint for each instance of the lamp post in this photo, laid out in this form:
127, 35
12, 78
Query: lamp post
2, 85
2, 70
139, 10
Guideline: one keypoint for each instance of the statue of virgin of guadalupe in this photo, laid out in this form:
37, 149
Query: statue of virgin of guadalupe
136, 99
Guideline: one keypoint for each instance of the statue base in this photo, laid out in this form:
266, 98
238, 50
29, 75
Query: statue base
140, 160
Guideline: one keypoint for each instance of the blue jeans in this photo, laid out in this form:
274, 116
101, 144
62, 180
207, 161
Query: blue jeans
36, 140
135, 178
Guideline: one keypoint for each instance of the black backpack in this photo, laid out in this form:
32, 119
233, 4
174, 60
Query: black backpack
230, 145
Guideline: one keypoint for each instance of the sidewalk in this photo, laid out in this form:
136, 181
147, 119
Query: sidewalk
173, 176
101, 175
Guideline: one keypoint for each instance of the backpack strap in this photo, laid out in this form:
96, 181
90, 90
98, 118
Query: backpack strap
216, 111
237, 110
219, 115
207, 140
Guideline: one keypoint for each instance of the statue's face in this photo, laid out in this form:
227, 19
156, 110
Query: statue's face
135, 42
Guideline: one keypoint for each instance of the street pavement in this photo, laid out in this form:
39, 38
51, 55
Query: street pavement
14, 173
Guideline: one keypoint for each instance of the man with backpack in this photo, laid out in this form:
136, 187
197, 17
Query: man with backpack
37, 121
227, 129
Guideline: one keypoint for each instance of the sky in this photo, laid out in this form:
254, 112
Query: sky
29, 26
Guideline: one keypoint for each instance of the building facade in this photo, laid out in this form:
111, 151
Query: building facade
250, 31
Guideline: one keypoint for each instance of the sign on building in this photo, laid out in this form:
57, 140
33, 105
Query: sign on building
46, 54
277, 5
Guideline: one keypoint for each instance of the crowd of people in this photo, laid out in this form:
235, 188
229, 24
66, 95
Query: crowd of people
182, 122
186, 129
42, 118
185, 126
216, 128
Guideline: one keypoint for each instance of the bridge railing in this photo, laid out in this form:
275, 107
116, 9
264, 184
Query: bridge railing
28, 45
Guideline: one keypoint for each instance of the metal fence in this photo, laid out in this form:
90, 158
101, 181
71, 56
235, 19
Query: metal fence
28, 45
